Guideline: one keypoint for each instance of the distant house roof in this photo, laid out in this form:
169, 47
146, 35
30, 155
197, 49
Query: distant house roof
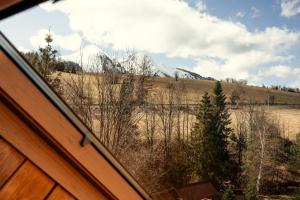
198, 191
169, 194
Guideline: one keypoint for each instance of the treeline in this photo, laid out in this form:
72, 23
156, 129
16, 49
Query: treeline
273, 87
283, 88
171, 144
236, 81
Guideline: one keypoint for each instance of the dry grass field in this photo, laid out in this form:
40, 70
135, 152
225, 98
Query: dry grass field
289, 119
196, 88
289, 116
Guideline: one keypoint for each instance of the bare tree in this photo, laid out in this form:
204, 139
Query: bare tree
263, 148
235, 96
78, 93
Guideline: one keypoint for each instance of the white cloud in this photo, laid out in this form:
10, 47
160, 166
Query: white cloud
240, 14
171, 27
84, 56
296, 83
280, 71
201, 6
68, 42
255, 12
296, 73
290, 8
23, 49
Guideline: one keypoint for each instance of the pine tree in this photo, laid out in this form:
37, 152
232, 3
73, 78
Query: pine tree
210, 138
222, 121
221, 132
47, 63
203, 141
228, 194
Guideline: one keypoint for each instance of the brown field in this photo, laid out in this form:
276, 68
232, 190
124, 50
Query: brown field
289, 116
289, 120
196, 88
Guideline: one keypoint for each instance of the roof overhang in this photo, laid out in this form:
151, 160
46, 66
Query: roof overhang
11, 7
8, 8
119, 182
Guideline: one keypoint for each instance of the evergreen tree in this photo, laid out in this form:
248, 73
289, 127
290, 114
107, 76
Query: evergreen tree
222, 131
210, 138
48, 58
203, 141
47, 64
228, 194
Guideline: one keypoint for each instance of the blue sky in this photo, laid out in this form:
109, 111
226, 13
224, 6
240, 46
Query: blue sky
250, 39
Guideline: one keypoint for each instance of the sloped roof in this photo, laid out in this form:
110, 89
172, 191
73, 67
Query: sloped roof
198, 190
8, 8
11, 7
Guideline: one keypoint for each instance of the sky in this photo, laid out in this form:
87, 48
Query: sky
256, 40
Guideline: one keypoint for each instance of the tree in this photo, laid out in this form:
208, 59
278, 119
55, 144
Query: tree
228, 194
294, 154
272, 99
235, 95
210, 138
221, 130
45, 61
176, 75
238, 141
263, 154
203, 141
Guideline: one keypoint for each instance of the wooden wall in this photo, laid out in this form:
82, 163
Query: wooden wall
30, 166
21, 179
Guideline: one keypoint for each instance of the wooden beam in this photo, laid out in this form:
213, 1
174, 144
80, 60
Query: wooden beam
10, 160
60, 193
27, 183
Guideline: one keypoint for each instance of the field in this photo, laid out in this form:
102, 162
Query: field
286, 106
196, 88
289, 119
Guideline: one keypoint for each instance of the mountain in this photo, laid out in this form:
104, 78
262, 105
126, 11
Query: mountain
193, 75
163, 71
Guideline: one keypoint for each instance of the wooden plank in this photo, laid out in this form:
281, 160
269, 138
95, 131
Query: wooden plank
60, 194
62, 132
27, 183
10, 160
45, 157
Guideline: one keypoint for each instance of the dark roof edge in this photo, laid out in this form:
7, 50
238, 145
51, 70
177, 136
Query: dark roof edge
18, 7
28, 70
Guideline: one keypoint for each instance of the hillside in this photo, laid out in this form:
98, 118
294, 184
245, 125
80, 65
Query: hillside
196, 88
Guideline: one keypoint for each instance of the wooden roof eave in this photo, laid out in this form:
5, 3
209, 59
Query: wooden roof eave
11, 7
57, 103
